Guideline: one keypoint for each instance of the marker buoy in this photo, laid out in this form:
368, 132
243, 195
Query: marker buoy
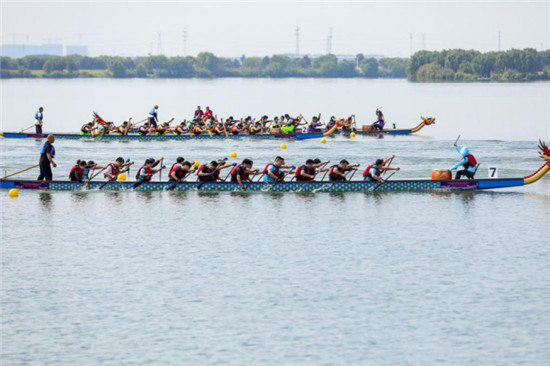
13, 193
196, 164
323, 140
352, 135
122, 177
283, 146
233, 154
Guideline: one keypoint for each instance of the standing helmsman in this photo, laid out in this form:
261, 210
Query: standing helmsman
153, 116
39, 117
47, 152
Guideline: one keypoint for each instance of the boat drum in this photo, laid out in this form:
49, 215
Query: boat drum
441, 174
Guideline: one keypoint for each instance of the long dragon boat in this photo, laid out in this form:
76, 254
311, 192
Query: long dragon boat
313, 186
294, 136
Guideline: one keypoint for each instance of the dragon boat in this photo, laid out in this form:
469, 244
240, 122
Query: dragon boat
313, 186
426, 121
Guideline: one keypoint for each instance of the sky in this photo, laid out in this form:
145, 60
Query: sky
231, 29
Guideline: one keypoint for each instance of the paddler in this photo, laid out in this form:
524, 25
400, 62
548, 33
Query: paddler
38, 120
238, 128
144, 129
105, 129
255, 128
181, 129
198, 113
337, 173
315, 125
468, 162
124, 128
162, 129
207, 114
272, 171
87, 128
47, 152
145, 173
306, 172
77, 172
374, 172
179, 170
241, 172
330, 123
90, 166
114, 169
290, 124
153, 116
380, 121
209, 172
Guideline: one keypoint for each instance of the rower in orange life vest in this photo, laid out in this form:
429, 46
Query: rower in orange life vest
112, 170
145, 173
77, 172
374, 171
468, 161
241, 172
337, 173
179, 170
272, 171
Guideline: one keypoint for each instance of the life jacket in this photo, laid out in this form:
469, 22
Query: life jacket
176, 131
331, 172
199, 113
305, 169
72, 176
148, 171
195, 131
366, 174
114, 169
120, 130
207, 114
142, 130
234, 127
179, 175
153, 112
83, 128
471, 161
233, 173
277, 170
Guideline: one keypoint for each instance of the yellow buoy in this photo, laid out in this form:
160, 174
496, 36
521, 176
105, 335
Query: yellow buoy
196, 164
122, 177
13, 193
323, 140
283, 146
352, 135
233, 154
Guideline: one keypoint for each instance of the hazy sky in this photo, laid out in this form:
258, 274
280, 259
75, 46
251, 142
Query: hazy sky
266, 28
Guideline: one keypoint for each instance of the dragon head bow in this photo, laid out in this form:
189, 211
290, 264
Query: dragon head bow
544, 151
428, 120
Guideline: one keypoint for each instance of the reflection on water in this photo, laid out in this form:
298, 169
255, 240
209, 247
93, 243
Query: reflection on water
46, 200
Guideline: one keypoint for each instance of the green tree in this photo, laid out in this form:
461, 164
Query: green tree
181, 67
369, 67
116, 67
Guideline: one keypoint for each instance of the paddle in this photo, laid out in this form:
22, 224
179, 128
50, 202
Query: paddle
384, 172
354, 171
148, 178
224, 179
456, 141
31, 126
209, 175
113, 181
384, 182
21, 171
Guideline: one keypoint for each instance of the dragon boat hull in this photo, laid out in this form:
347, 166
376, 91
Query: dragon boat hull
352, 186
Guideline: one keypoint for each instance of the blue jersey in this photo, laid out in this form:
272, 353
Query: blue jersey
269, 178
153, 112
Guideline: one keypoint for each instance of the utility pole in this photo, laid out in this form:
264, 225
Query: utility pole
498, 47
411, 43
185, 41
297, 41
329, 41
159, 43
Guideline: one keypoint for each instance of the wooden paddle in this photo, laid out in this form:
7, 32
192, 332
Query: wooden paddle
456, 141
31, 126
384, 182
21, 171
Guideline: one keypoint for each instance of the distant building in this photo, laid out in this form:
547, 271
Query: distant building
22, 50
76, 50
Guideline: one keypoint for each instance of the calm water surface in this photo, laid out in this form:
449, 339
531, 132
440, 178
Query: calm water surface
257, 278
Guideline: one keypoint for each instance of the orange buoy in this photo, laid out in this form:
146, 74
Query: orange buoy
441, 174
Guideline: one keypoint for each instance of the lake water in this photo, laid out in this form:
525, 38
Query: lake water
124, 278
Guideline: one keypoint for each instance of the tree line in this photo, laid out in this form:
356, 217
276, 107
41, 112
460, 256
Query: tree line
204, 65
469, 65
424, 66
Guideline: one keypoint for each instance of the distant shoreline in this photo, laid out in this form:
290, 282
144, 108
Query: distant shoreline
448, 66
